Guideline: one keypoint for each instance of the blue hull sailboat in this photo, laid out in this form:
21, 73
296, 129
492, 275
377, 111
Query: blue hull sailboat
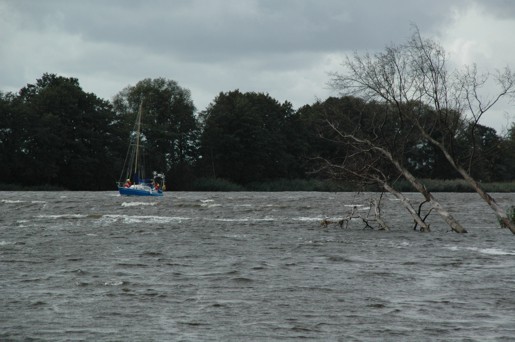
133, 181
139, 190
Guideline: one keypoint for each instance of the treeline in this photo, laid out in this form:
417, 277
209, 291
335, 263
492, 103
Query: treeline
52, 133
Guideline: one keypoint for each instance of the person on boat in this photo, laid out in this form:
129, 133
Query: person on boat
127, 183
156, 186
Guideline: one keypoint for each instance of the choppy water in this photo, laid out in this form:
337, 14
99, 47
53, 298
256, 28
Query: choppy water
248, 267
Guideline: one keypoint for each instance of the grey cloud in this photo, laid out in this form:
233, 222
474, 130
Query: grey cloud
283, 47
503, 9
211, 30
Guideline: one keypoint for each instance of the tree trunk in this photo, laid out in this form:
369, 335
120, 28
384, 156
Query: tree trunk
499, 211
424, 227
377, 213
449, 219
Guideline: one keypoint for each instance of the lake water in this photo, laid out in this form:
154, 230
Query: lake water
244, 266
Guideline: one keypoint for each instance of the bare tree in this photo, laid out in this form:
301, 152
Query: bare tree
413, 79
374, 143
365, 161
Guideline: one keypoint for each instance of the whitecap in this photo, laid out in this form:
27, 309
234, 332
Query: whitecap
113, 283
11, 201
233, 220
209, 203
310, 219
495, 251
134, 204
143, 219
488, 251
245, 219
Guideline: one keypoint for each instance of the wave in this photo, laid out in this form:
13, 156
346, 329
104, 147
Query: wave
493, 251
488, 251
7, 201
62, 216
211, 205
244, 219
135, 204
155, 219
308, 219
143, 219
111, 218
114, 283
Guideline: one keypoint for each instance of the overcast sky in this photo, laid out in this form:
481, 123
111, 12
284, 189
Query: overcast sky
285, 48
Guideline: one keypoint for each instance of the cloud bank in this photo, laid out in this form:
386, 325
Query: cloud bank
285, 48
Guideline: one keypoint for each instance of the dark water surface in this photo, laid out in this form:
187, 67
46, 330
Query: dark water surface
95, 266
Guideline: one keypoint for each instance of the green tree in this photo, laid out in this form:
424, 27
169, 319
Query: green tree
323, 143
249, 137
481, 147
505, 169
170, 129
67, 135
373, 121
11, 126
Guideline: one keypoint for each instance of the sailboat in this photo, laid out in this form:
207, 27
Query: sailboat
133, 180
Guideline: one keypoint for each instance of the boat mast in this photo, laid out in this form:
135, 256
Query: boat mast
138, 133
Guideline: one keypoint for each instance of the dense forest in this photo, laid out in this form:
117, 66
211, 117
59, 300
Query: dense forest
53, 133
